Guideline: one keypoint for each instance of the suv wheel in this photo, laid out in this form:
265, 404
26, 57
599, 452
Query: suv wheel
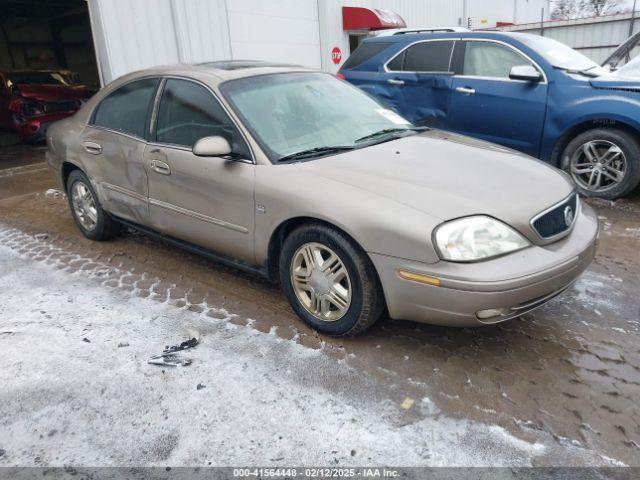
91, 219
603, 163
329, 281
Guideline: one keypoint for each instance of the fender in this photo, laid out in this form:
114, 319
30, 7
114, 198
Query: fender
601, 110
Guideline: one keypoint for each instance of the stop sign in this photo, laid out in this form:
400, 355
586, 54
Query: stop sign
336, 55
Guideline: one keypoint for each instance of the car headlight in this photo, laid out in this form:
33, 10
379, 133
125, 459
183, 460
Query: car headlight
476, 238
32, 109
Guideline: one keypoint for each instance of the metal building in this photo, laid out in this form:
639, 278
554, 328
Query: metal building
133, 34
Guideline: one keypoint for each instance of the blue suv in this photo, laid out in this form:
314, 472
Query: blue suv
526, 92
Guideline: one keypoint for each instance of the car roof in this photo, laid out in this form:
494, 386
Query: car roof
215, 71
413, 37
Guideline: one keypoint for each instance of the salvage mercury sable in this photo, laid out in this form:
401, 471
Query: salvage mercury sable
308, 181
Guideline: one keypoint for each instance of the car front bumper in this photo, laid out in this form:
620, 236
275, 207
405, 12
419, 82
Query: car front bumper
514, 284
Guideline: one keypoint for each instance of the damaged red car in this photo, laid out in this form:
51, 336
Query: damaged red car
30, 100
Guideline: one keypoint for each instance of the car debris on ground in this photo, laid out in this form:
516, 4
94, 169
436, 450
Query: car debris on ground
169, 357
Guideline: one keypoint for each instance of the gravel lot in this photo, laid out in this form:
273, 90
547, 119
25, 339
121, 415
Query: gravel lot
559, 386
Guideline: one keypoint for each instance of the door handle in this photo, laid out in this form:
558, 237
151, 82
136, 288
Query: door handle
93, 148
160, 167
466, 90
395, 81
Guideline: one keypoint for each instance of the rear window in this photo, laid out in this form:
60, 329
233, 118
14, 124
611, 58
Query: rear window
126, 109
424, 57
363, 53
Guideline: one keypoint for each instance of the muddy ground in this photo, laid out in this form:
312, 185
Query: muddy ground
568, 372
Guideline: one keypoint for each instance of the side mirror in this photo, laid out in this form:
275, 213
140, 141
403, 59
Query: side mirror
212, 147
528, 73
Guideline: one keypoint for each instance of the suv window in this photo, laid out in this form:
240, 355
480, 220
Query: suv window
126, 109
432, 56
363, 53
489, 59
189, 112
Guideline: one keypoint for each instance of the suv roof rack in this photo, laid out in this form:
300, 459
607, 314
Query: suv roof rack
404, 31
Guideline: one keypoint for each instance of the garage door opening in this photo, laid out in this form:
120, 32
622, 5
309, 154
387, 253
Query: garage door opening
47, 69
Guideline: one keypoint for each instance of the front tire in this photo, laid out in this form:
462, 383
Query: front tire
603, 162
329, 281
91, 219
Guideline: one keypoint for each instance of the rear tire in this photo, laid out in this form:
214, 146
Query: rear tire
330, 281
603, 162
91, 219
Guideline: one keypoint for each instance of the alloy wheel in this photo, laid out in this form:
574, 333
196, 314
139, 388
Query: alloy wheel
321, 282
84, 206
598, 165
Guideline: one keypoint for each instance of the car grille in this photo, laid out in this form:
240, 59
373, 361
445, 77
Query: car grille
557, 220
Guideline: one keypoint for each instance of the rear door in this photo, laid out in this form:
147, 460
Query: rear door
208, 201
420, 79
487, 104
113, 146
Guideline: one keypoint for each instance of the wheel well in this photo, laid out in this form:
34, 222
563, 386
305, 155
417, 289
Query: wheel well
284, 229
67, 168
576, 130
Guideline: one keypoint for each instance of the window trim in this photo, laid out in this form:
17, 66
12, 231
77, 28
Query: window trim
544, 80
408, 46
91, 122
152, 137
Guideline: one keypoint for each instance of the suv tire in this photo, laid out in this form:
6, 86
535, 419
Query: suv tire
603, 156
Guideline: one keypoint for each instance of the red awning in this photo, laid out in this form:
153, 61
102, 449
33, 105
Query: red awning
360, 18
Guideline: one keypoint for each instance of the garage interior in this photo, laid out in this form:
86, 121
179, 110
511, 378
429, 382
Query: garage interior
47, 35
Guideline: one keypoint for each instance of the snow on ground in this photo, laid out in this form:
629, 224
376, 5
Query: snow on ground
72, 396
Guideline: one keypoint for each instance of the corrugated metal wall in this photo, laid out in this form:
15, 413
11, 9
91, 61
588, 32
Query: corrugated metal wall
597, 38
275, 30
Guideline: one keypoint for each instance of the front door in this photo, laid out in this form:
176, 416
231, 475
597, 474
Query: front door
208, 201
487, 104
114, 141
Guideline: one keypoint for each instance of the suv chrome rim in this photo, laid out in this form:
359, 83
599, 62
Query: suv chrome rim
598, 165
321, 282
84, 206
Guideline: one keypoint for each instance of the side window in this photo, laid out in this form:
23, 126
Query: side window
127, 108
489, 59
363, 53
424, 57
189, 112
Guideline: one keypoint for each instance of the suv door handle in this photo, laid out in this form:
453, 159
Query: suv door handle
160, 167
466, 90
395, 81
93, 148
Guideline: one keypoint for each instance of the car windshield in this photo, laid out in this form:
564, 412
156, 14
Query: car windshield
560, 55
38, 78
629, 70
310, 113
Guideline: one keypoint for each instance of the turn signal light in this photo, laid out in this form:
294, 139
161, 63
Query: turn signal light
419, 277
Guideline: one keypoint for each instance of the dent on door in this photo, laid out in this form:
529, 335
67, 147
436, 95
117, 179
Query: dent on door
114, 162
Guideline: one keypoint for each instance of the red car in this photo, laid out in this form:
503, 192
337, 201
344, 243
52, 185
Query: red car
30, 100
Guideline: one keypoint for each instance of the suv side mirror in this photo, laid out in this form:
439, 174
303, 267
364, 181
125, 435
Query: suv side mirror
212, 147
528, 73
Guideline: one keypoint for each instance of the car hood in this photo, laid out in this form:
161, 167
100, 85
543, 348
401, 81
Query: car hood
53, 92
615, 82
449, 176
